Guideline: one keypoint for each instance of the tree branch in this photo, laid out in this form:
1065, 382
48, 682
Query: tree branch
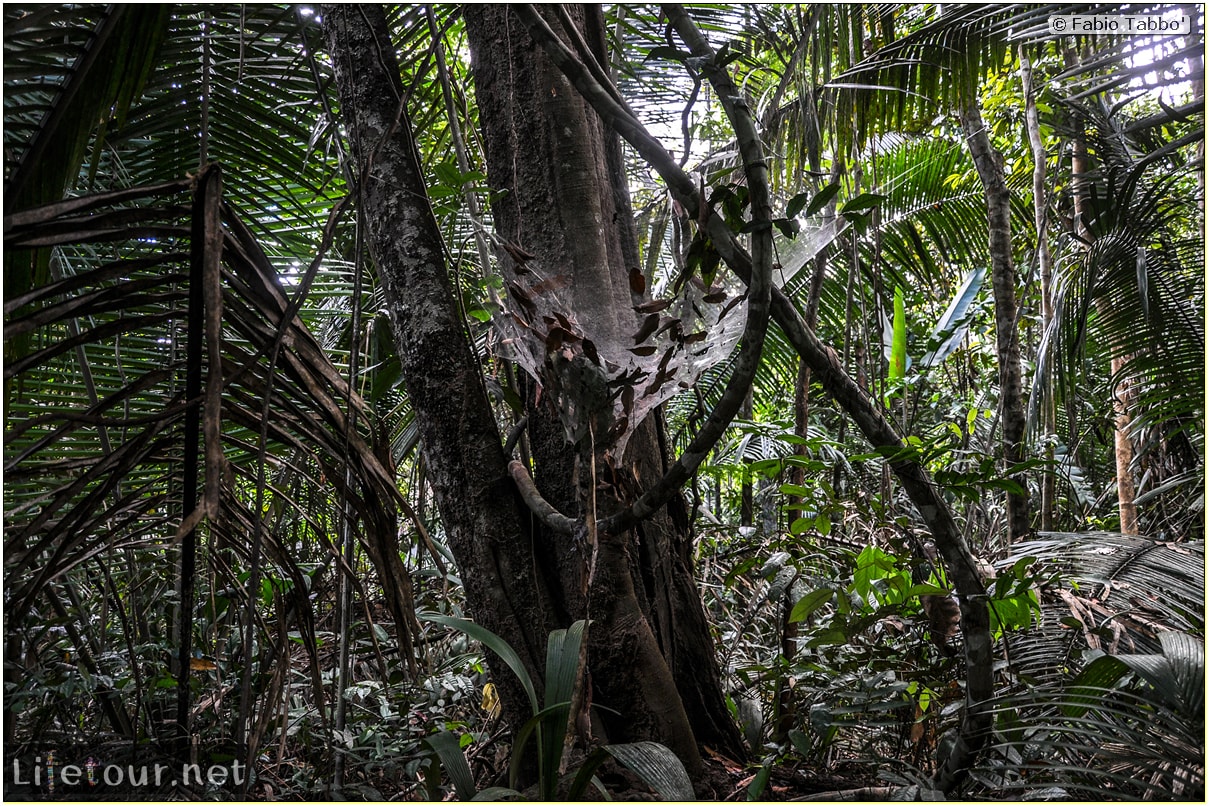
838, 384
514, 436
539, 506
759, 277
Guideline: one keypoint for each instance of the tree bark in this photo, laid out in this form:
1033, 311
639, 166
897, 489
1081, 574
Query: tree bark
566, 203
1007, 335
484, 518
1045, 265
975, 728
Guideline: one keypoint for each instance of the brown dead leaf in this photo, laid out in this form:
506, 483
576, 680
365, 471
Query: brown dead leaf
637, 281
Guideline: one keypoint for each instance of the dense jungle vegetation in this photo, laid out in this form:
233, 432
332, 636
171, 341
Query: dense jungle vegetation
740, 402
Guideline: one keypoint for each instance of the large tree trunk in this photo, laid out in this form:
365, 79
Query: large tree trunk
1007, 334
567, 204
975, 730
651, 657
484, 519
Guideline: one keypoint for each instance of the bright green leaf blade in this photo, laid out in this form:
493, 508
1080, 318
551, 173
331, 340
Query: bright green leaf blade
898, 344
493, 642
809, 603
445, 744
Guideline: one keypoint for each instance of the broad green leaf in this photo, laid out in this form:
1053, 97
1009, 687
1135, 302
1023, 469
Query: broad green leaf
801, 525
657, 766
445, 744
822, 198
493, 642
862, 202
809, 603
828, 638
796, 204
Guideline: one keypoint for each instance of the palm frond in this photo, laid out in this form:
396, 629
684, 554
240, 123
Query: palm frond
95, 442
1133, 292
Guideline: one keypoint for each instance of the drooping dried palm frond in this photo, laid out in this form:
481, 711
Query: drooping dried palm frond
124, 433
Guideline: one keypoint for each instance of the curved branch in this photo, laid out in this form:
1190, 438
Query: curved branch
838, 384
514, 436
539, 506
760, 271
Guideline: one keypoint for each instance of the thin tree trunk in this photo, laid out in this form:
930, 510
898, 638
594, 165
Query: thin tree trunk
1007, 335
1127, 491
1127, 510
1045, 265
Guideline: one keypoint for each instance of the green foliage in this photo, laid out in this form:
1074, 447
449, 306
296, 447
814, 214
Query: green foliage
878, 194
654, 763
85, 97
1015, 600
1177, 674
1101, 735
898, 345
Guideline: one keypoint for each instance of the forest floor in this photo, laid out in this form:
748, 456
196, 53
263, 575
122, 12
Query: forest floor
730, 781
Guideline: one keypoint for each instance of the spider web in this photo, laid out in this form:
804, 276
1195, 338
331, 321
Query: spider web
610, 383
